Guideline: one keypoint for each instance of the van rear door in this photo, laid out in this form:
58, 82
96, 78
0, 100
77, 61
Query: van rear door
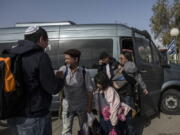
147, 61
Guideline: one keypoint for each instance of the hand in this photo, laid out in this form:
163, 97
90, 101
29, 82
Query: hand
60, 74
145, 91
119, 66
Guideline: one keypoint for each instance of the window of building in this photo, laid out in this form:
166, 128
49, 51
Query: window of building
155, 53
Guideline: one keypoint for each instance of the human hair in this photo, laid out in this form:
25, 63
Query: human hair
102, 78
103, 55
34, 37
74, 53
127, 55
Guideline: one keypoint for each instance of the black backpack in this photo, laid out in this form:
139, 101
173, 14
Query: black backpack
12, 94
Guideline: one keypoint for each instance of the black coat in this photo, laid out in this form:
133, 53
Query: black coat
113, 64
38, 79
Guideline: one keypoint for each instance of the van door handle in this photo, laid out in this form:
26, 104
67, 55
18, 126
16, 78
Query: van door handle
143, 71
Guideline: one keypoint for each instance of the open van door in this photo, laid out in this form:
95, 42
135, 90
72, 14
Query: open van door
148, 63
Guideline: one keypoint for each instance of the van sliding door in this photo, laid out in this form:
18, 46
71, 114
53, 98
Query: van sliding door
144, 58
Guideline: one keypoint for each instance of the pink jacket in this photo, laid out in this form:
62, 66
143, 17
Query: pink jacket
113, 100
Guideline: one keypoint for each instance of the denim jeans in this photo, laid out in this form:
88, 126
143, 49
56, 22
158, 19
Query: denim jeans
129, 120
31, 126
67, 118
131, 130
129, 100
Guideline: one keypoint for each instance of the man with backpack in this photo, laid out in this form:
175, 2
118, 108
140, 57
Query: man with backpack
77, 91
39, 83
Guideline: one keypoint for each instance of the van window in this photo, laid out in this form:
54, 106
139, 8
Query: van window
127, 43
90, 49
127, 46
155, 53
144, 50
54, 53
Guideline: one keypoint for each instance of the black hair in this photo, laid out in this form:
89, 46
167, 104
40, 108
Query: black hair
127, 55
74, 53
103, 55
102, 79
34, 37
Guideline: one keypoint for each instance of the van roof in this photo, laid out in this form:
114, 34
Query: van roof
65, 25
68, 29
44, 23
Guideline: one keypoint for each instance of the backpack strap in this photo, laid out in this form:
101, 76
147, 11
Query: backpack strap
66, 72
84, 72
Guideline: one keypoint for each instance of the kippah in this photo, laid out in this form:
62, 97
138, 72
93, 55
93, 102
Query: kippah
31, 30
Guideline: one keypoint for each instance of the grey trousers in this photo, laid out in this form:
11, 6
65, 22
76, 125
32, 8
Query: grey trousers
68, 117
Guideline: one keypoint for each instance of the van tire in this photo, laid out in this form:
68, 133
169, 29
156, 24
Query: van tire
170, 102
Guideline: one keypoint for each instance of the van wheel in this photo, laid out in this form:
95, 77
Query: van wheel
170, 102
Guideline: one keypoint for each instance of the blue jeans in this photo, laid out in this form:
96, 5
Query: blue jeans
129, 121
31, 126
128, 100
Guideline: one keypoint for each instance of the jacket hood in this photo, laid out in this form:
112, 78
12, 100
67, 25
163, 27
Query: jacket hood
25, 46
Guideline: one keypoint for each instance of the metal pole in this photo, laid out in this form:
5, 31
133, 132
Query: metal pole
175, 50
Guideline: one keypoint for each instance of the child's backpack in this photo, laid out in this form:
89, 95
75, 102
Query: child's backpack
12, 95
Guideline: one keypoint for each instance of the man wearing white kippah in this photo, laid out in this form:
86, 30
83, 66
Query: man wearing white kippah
39, 83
